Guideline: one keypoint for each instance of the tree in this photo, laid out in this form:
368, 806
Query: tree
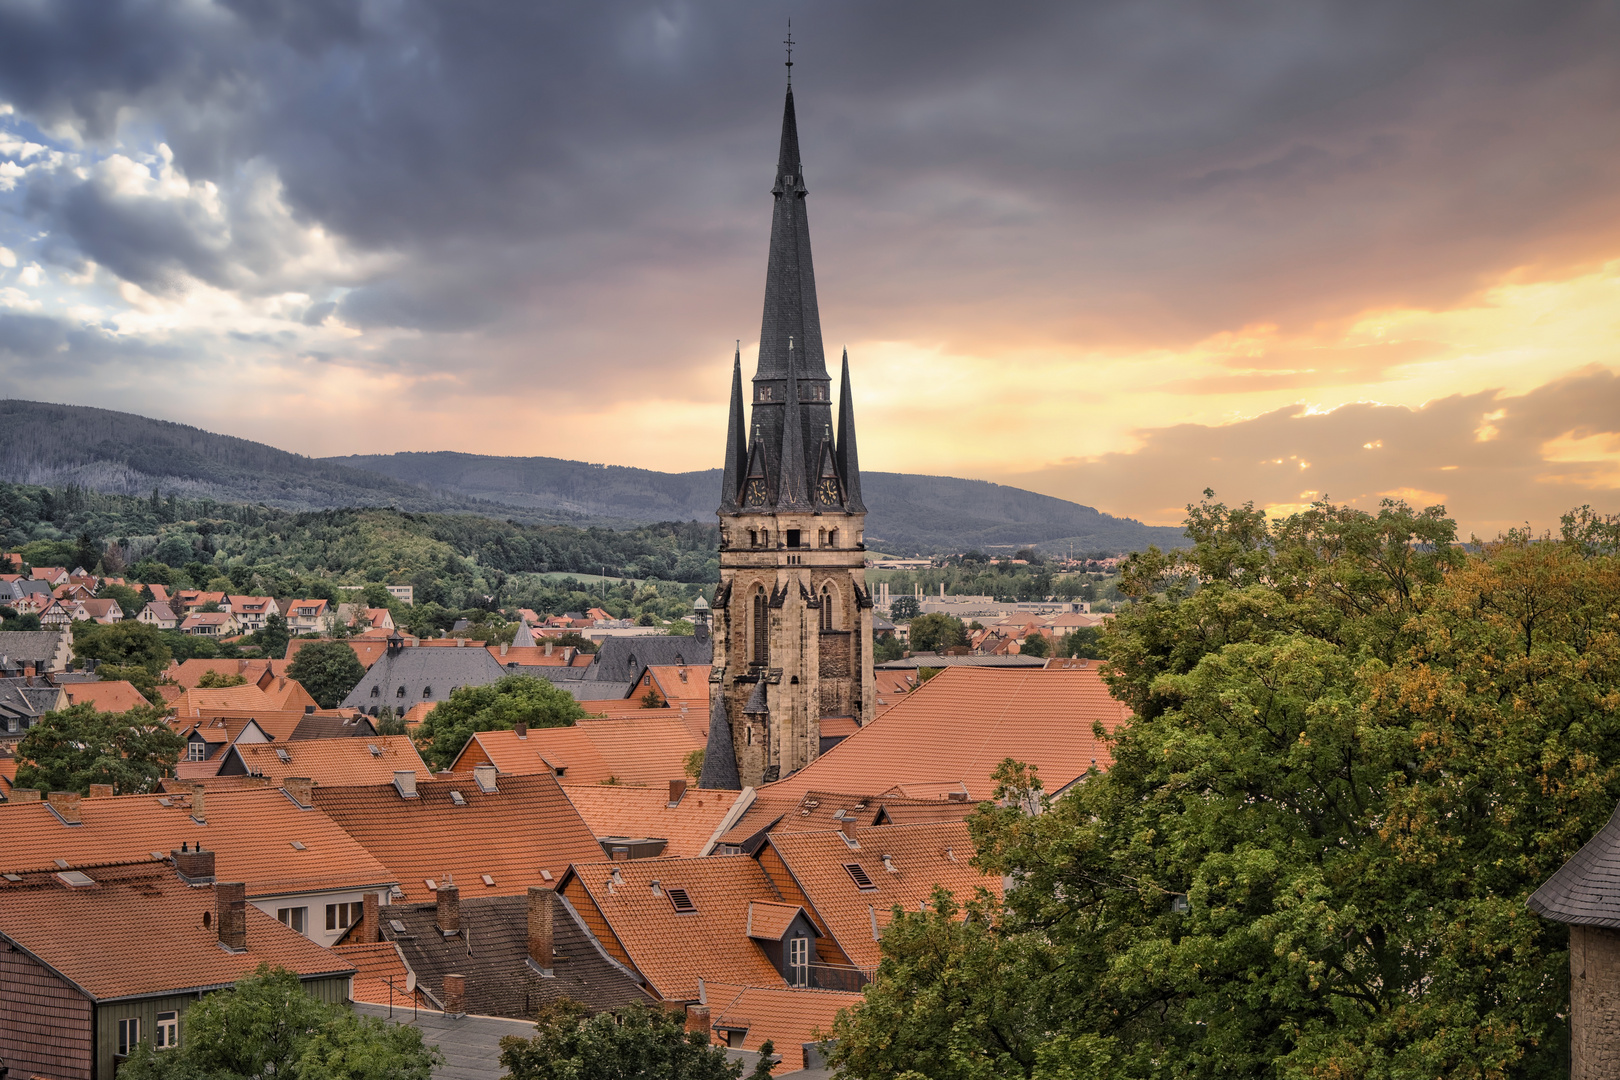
137, 676
129, 601
692, 764
1083, 642
902, 608
273, 636
86, 552
71, 749
680, 628
499, 706
215, 680
935, 632
268, 1025
1356, 749
126, 644
638, 1043
1036, 644
28, 620
328, 670
886, 648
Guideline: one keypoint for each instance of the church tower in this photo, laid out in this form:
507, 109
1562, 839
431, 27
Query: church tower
792, 617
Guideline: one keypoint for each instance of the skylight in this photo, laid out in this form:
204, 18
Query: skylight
298, 845
397, 926
75, 879
858, 873
457, 798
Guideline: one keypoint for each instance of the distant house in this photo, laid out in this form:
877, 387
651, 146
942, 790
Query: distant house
115, 696
104, 612
251, 612
189, 600
62, 613
44, 651
157, 614
405, 677
23, 701
210, 624
51, 575
103, 959
309, 616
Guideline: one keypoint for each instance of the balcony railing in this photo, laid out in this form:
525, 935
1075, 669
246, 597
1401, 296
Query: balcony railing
840, 977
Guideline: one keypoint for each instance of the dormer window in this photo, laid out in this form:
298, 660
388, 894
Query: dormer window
376, 691
400, 692
427, 691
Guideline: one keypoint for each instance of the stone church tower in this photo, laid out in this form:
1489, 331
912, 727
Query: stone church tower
792, 617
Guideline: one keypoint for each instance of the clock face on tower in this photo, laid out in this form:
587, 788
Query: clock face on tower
827, 491
755, 493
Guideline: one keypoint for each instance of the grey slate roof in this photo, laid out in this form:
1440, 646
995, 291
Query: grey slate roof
22, 702
492, 952
332, 727
437, 669
1586, 890
720, 755
626, 659
30, 646
934, 660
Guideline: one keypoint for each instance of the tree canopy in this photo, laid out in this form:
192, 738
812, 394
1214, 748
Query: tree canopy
1357, 748
328, 670
935, 632
78, 746
499, 706
637, 1043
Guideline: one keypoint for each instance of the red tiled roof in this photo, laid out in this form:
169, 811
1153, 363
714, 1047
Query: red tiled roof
374, 965
139, 930
953, 731
645, 746
114, 697
644, 811
789, 1018
368, 649
328, 762
198, 701
672, 949
251, 832
919, 857
188, 673
769, 919
527, 825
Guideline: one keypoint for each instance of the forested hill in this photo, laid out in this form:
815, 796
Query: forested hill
124, 454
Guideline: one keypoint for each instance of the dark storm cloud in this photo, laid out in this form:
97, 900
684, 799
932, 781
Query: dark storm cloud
1121, 171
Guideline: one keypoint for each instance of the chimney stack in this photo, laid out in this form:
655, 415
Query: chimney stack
847, 827
101, 791
484, 777
405, 783
449, 915
230, 914
199, 810
677, 788
195, 867
542, 910
66, 805
455, 995
24, 794
697, 1019
548, 648
370, 920
300, 789
504, 648
461, 643
522, 729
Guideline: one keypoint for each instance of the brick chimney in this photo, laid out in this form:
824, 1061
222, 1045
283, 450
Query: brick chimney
542, 910
370, 920
230, 914
522, 729
455, 995
847, 827
677, 788
697, 1019
199, 811
194, 865
101, 791
449, 915
300, 789
66, 805
24, 794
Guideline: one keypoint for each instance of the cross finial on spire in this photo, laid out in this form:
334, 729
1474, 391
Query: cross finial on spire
789, 44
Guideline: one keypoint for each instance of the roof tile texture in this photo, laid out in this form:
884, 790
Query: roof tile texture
637, 811
335, 761
789, 1018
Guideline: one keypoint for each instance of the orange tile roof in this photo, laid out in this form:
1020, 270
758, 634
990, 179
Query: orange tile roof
530, 656
368, 649
921, 856
770, 919
646, 746
891, 687
374, 965
188, 673
251, 832
693, 689
818, 811
789, 1018
672, 950
644, 811
348, 760
289, 695
117, 696
953, 731
227, 726
139, 930
418, 713
197, 701
526, 826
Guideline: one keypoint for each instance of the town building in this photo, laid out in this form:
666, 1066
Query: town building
792, 616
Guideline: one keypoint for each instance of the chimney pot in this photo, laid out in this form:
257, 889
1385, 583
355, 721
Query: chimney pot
194, 867
455, 995
24, 794
522, 729
101, 791
697, 1019
677, 788
449, 914
542, 912
370, 921
66, 805
230, 915
301, 789
548, 648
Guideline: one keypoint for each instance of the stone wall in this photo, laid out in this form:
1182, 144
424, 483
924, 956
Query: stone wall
1594, 999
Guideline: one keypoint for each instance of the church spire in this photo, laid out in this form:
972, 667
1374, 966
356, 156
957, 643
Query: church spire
849, 465
736, 467
792, 492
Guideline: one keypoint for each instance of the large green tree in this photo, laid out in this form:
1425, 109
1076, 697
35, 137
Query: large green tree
499, 706
638, 1043
268, 1025
328, 670
78, 746
1357, 748
126, 644
935, 632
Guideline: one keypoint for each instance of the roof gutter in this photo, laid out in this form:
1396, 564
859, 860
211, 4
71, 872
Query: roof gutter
738, 809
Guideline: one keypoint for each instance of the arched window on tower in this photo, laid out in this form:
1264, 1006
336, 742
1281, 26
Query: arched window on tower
762, 627
832, 538
826, 607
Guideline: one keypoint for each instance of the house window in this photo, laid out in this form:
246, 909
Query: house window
799, 961
765, 537
196, 751
376, 691
342, 916
832, 538
400, 692
167, 1034
129, 1034
753, 538
295, 917
427, 691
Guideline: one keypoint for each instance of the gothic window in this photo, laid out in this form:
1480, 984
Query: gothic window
753, 538
765, 537
826, 607
821, 538
762, 627
832, 538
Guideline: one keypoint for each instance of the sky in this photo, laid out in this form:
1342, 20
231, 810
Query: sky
1113, 252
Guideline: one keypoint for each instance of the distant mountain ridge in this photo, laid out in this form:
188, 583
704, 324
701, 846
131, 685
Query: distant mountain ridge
127, 454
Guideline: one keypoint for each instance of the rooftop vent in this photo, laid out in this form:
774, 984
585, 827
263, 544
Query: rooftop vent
858, 873
283, 756
488, 880
681, 901
888, 864
545, 875
457, 798
298, 845
397, 926
376, 751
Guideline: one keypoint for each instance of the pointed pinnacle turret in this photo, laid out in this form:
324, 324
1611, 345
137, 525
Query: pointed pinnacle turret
720, 755
736, 467
849, 465
793, 493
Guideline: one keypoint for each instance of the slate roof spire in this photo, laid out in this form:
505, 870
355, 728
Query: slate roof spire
849, 465
720, 755
792, 492
736, 468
